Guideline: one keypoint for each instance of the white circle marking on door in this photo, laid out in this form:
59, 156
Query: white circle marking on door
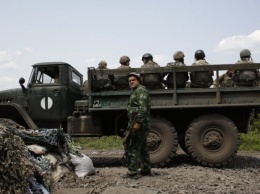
47, 105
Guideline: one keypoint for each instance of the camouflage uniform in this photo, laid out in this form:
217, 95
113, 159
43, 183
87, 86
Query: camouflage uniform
245, 77
225, 80
181, 77
151, 80
103, 82
99, 77
121, 82
201, 79
138, 152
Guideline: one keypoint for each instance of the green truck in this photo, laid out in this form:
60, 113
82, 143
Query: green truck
205, 122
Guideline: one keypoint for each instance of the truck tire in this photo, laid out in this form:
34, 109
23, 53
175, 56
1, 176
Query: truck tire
162, 142
212, 140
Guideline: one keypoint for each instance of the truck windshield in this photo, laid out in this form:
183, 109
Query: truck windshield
45, 75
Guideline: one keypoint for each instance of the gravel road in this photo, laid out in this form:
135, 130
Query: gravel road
181, 176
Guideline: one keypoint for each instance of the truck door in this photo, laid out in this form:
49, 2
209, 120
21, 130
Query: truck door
45, 99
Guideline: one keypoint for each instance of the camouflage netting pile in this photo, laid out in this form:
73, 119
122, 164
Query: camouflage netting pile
13, 156
32, 160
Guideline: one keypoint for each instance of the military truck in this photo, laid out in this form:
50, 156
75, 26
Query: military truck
205, 122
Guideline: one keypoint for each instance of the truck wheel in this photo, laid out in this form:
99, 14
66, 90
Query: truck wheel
212, 140
162, 142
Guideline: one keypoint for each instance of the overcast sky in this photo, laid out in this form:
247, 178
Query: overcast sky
84, 32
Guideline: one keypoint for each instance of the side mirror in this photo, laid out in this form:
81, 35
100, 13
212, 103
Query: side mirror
21, 82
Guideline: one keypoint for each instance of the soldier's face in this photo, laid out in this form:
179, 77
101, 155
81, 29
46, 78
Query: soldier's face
145, 60
133, 82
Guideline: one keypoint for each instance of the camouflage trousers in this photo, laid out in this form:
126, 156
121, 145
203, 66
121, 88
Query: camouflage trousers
138, 153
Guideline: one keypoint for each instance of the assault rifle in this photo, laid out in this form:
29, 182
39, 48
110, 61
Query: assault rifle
127, 138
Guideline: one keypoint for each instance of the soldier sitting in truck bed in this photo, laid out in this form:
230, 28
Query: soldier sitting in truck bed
103, 82
151, 80
181, 77
247, 77
201, 79
225, 80
121, 81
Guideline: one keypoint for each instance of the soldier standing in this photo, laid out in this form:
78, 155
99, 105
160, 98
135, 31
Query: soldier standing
139, 122
246, 77
201, 79
151, 80
121, 81
181, 77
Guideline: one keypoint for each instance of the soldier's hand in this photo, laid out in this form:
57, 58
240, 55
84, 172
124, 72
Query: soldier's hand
136, 127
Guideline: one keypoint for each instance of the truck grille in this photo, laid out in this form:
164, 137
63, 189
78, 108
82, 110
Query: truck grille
6, 100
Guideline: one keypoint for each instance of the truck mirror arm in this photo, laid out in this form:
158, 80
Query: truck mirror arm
21, 82
24, 89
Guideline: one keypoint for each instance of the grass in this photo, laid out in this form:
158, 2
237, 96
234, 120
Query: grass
105, 142
251, 141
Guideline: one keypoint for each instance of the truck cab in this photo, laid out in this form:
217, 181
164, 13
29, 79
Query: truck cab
48, 98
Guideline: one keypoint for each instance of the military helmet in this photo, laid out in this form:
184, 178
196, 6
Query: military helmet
124, 59
199, 54
245, 53
102, 64
178, 55
146, 56
136, 75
